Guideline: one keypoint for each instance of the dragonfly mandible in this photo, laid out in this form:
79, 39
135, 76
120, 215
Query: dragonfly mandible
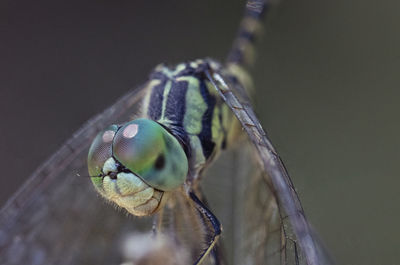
271, 222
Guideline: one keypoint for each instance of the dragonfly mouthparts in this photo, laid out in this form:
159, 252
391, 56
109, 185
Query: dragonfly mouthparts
128, 190
113, 175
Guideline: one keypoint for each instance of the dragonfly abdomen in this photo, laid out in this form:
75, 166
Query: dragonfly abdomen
182, 99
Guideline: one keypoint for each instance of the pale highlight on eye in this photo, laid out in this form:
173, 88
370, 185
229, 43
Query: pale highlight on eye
108, 136
130, 131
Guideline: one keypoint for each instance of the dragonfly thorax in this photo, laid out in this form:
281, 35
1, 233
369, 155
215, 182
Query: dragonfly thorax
183, 99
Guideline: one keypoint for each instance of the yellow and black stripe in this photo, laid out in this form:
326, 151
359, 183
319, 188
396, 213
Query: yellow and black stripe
183, 100
242, 52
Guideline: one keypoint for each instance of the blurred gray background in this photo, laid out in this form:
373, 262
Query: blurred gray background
326, 74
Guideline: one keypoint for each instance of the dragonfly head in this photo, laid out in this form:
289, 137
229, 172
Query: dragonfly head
134, 164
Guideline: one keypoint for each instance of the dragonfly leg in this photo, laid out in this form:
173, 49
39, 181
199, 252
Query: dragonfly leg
218, 250
208, 216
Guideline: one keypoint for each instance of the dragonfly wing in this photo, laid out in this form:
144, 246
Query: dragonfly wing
295, 240
245, 205
56, 216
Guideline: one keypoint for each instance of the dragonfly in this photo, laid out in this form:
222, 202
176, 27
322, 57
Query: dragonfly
57, 218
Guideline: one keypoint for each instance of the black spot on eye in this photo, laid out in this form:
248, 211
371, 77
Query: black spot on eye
160, 162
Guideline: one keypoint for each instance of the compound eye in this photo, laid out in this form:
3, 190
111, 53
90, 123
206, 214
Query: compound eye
148, 150
137, 144
101, 150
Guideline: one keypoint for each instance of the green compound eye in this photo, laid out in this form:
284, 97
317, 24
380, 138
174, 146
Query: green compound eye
148, 150
101, 150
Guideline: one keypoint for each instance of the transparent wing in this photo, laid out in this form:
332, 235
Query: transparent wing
275, 226
56, 217
242, 201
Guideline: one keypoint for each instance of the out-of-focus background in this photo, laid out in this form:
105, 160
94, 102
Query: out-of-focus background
326, 74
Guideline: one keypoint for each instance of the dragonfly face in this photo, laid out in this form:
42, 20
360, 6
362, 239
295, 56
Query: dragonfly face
134, 164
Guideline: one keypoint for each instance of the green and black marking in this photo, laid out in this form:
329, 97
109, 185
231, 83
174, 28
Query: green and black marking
183, 100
